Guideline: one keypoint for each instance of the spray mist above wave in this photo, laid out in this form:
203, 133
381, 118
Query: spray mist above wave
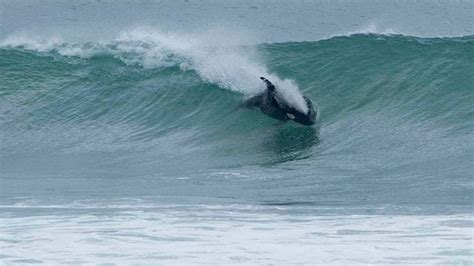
218, 57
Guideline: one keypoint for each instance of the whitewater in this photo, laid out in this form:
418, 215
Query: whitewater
121, 140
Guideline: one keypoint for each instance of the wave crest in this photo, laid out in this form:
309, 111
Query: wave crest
222, 61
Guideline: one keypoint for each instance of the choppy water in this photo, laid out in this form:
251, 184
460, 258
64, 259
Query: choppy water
131, 150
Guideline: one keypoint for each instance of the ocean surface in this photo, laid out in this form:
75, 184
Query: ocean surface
121, 140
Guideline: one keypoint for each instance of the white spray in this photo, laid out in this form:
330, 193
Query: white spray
216, 56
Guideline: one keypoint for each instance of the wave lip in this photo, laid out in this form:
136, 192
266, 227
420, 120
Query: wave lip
216, 61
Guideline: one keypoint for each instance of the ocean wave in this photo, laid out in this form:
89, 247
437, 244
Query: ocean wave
216, 60
390, 98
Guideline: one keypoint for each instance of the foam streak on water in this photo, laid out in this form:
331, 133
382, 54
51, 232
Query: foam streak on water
207, 234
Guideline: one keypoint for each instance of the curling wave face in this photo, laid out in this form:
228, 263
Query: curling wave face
156, 112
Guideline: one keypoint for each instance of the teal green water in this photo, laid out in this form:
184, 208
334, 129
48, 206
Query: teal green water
151, 117
121, 140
